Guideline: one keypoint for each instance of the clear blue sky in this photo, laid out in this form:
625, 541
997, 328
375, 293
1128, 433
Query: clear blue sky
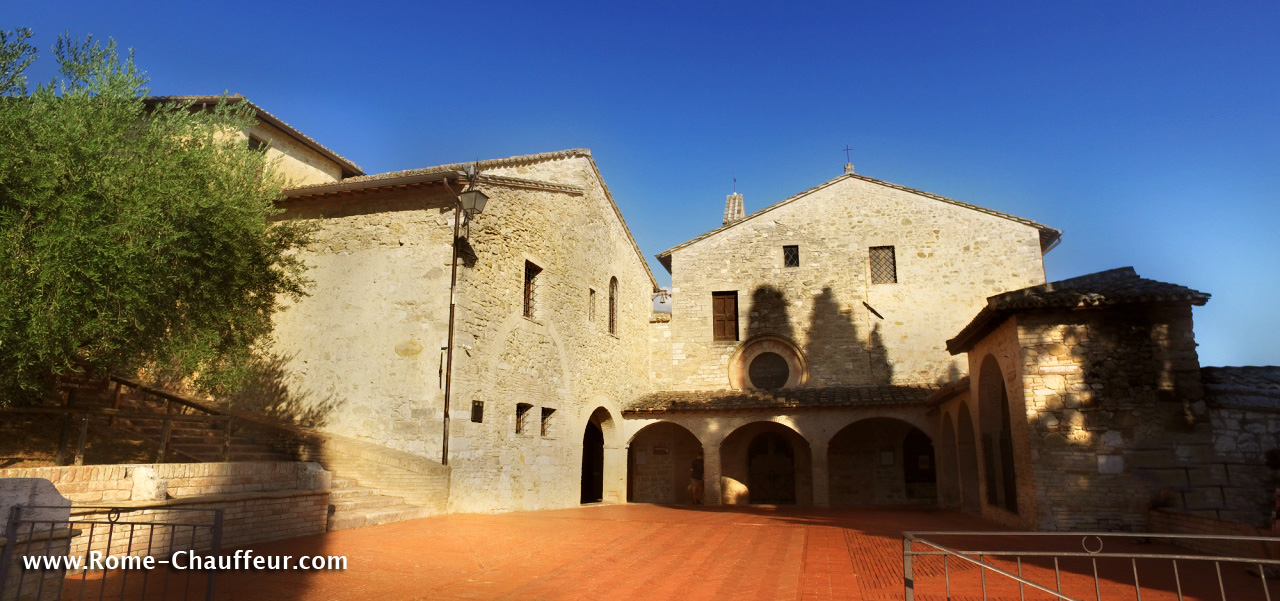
1148, 132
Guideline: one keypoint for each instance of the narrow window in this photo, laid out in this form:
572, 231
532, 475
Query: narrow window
522, 413
884, 267
591, 304
724, 315
613, 305
531, 272
546, 419
791, 256
477, 411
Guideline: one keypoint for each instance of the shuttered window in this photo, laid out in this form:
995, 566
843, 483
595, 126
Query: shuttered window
724, 311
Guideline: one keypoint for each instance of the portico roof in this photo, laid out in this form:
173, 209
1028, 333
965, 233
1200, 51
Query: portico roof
784, 399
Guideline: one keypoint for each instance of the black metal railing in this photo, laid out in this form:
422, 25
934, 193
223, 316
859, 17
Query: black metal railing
1037, 561
107, 553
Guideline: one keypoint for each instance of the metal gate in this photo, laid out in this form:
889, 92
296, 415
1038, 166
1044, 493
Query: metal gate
109, 553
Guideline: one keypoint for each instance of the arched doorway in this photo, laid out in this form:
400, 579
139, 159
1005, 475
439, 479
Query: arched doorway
658, 462
592, 463
771, 470
997, 437
967, 456
881, 461
765, 463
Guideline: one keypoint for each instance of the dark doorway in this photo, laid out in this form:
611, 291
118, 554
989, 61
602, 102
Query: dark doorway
771, 470
918, 471
592, 464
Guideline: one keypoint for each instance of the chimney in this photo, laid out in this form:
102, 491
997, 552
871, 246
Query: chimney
848, 168
733, 209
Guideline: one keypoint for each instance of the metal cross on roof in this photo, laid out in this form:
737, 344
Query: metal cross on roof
846, 154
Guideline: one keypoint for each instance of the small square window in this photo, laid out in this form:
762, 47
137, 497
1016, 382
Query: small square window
791, 256
531, 272
884, 265
546, 419
477, 411
256, 144
522, 414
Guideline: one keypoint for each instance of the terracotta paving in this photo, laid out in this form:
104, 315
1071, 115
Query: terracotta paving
648, 552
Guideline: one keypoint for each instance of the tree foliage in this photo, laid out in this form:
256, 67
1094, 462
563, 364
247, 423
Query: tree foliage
133, 234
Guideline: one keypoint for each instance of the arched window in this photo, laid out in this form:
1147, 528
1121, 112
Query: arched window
613, 305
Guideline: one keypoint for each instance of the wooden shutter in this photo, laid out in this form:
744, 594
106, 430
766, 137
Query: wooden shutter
724, 315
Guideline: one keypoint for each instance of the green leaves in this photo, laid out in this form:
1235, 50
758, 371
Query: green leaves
132, 233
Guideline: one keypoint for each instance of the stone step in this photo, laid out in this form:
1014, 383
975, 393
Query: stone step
350, 492
342, 482
344, 521
366, 504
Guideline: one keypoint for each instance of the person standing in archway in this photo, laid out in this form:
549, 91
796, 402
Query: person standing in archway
695, 479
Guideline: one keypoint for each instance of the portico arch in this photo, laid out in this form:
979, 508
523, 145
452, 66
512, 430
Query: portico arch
881, 461
766, 462
997, 437
659, 458
967, 459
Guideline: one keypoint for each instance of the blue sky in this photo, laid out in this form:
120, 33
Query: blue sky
1149, 132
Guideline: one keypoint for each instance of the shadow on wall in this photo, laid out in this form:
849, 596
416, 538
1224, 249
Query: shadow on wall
837, 355
266, 392
769, 314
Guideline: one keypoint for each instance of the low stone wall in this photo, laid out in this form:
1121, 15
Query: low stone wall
261, 501
1172, 521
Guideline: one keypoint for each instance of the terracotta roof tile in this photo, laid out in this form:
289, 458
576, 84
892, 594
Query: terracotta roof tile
1112, 287
793, 398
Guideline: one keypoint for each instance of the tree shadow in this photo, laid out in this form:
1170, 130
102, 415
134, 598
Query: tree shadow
768, 314
836, 354
266, 392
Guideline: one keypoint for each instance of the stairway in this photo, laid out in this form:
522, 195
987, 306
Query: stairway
355, 506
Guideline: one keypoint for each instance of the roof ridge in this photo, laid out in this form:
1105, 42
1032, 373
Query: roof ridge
524, 159
1052, 233
272, 120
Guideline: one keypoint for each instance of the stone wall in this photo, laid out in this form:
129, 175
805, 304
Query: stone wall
949, 259
300, 164
367, 344
1113, 402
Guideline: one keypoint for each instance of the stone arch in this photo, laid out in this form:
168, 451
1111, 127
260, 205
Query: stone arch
995, 423
948, 464
600, 473
659, 457
761, 348
881, 461
771, 445
967, 459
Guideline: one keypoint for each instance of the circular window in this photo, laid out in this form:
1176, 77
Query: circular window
769, 371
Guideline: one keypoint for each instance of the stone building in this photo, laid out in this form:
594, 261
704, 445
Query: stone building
859, 343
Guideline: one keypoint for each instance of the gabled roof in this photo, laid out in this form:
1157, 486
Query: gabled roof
787, 398
456, 172
348, 168
1112, 287
1048, 235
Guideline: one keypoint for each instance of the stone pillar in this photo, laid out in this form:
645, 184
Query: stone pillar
821, 477
711, 473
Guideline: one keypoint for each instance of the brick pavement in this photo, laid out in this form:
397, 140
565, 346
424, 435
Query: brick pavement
648, 552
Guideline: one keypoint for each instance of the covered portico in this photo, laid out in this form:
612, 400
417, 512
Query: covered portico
854, 446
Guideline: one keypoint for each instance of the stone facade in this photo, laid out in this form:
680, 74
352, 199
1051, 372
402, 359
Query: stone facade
851, 331
368, 344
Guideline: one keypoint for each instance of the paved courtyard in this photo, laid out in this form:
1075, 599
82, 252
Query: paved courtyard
635, 552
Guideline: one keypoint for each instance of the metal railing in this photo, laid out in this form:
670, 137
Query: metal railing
1030, 558
97, 553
